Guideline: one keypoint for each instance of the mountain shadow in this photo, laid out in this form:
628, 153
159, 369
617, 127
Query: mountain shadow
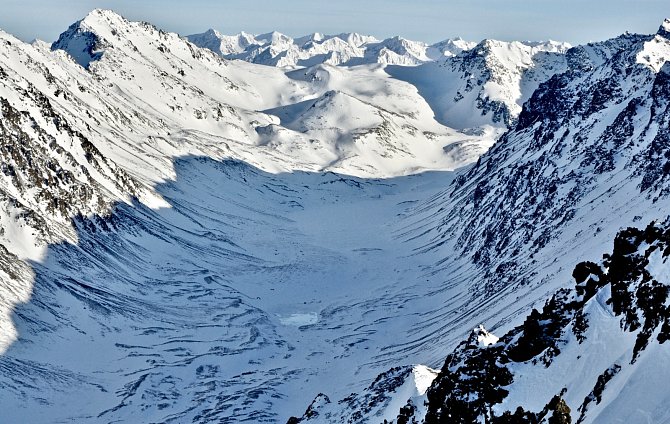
232, 304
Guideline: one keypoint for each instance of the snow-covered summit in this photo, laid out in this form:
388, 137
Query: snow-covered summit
81, 39
657, 50
493, 78
225, 45
448, 48
454, 76
198, 89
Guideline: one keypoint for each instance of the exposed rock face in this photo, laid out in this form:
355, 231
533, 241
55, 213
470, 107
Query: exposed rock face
141, 175
588, 140
629, 284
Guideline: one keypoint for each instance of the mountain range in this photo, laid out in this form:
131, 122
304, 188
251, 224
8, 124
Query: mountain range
350, 49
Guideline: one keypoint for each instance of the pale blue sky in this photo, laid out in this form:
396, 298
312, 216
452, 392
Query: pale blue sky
575, 21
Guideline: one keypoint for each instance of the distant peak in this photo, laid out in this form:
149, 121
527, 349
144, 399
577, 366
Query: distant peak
483, 46
274, 37
213, 32
310, 38
488, 42
100, 12
355, 38
100, 21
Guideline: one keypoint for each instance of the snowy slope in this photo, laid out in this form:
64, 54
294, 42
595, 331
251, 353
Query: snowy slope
202, 93
199, 312
560, 183
139, 253
494, 78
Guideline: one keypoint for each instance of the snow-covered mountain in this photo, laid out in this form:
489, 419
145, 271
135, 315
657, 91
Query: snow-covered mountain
199, 90
186, 238
456, 77
276, 49
552, 192
494, 78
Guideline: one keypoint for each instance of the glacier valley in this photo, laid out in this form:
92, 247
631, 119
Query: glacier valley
256, 228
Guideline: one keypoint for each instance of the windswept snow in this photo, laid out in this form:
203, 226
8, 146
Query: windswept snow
193, 197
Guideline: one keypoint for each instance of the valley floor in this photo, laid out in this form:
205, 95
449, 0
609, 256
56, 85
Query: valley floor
245, 298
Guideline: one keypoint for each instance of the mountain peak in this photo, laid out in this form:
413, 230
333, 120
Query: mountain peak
214, 33
274, 37
356, 39
99, 12
97, 16
82, 39
313, 37
655, 52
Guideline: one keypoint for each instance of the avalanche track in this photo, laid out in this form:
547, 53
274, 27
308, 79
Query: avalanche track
249, 287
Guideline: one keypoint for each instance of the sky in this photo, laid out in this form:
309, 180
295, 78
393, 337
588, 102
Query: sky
574, 21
